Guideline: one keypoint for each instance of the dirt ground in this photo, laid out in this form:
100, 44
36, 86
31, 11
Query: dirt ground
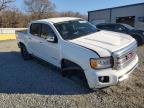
32, 84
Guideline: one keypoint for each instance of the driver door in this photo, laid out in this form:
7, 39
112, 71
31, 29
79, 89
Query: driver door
49, 50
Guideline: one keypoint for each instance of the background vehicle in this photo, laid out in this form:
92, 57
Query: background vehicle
124, 28
102, 58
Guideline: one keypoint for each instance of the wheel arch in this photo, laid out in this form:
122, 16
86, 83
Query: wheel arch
71, 62
138, 38
20, 44
81, 70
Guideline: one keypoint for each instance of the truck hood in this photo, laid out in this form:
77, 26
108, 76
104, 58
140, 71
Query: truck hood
104, 42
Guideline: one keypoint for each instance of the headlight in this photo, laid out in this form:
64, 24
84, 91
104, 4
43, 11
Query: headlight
101, 63
143, 33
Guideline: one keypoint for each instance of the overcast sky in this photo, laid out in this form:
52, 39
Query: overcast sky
83, 6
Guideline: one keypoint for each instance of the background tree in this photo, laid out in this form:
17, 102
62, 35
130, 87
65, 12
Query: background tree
5, 3
39, 8
35, 9
72, 14
13, 19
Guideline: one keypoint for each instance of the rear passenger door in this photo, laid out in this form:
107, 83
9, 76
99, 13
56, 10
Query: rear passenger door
34, 39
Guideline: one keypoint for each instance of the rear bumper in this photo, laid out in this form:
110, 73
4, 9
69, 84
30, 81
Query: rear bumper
115, 76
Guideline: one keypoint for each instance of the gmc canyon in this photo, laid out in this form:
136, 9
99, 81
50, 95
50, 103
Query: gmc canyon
103, 58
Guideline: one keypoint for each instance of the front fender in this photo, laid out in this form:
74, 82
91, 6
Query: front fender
78, 54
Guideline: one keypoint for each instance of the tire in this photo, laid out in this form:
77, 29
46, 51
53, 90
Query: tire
69, 69
84, 80
24, 53
138, 39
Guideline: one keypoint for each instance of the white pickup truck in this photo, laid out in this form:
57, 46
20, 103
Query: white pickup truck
103, 58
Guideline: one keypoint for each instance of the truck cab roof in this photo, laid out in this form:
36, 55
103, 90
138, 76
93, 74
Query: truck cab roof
58, 20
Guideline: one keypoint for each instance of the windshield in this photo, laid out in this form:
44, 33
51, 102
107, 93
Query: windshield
128, 26
74, 29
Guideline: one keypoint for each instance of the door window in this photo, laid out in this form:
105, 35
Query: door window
35, 29
47, 31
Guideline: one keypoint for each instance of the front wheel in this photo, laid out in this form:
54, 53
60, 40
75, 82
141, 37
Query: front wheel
138, 39
70, 69
24, 53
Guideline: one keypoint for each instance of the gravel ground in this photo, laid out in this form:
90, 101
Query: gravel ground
33, 84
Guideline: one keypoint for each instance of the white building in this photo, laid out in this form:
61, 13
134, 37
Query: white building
129, 14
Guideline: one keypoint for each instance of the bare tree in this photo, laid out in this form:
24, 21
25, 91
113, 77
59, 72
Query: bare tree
72, 14
13, 18
39, 5
38, 9
4, 3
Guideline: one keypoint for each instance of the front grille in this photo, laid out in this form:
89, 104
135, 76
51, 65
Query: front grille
124, 57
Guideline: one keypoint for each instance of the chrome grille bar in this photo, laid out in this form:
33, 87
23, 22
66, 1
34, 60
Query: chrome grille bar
120, 56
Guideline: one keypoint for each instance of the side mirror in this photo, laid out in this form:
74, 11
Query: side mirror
121, 29
52, 39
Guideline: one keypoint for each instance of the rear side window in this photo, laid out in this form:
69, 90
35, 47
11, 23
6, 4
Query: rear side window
35, 29
106, 27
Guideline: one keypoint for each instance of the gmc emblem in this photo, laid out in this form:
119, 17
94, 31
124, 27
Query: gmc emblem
129, 56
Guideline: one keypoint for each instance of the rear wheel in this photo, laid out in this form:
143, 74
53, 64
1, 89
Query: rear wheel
24, 53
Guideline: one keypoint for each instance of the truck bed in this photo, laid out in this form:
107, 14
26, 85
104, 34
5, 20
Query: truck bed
22, 35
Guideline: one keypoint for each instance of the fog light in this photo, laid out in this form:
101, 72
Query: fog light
103, 79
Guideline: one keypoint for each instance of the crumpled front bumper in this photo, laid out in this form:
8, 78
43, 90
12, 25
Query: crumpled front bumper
115, 76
